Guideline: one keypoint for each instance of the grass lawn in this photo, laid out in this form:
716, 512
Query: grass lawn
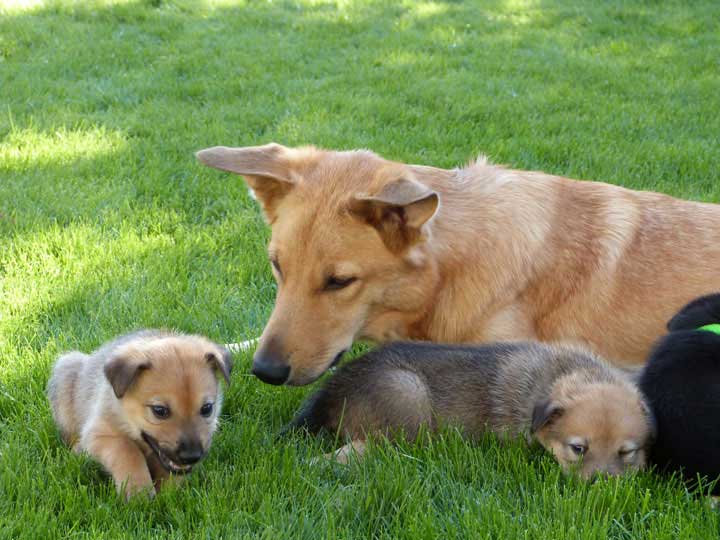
107, 223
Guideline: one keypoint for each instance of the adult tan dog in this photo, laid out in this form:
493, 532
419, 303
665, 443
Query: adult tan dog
363, 247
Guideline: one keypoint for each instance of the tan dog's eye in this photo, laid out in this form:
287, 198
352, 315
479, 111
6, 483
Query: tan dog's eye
334, 283
160, 411
627, 453
276, 266
578, 449
206, 410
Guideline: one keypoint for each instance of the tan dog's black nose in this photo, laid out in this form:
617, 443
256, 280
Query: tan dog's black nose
270, 373
269, 364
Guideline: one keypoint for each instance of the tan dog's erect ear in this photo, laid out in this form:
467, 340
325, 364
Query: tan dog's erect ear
267, 170
544, 414
222, 364
121, 371
398, 211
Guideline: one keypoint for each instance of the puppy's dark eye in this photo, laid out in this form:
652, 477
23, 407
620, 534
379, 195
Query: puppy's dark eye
334, 283
578, 449
160, 411
206, 410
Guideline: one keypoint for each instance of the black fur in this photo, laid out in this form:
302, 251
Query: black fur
681, 382
699, 312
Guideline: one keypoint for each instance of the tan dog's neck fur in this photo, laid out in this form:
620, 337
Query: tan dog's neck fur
506, 255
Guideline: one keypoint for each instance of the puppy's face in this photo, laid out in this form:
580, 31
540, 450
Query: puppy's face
170, 395
595, 427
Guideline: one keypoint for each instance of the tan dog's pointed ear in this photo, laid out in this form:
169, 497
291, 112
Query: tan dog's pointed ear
223, 363
398, 211
544, 414
267, 170
121, 371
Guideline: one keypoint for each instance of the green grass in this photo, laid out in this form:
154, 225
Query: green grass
107, 223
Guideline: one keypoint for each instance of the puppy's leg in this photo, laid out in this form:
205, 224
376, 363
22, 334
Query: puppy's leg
160, 474
123, 459
352, 450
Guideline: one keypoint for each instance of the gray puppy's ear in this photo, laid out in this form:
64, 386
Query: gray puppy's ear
223, 362
121, 371
545, 413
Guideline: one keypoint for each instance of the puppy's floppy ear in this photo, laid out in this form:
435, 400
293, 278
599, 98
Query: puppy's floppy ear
223, 362
544, 414
121, 371
398, 211
268, 169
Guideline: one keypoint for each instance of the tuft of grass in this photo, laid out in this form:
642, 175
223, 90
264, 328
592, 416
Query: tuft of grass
107, 224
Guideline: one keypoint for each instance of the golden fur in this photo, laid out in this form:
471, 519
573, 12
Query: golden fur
475, 254
102, 404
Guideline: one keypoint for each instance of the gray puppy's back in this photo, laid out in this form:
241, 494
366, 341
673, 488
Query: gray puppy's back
403, 385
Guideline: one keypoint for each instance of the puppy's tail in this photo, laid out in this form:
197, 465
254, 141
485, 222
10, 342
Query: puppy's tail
700, 312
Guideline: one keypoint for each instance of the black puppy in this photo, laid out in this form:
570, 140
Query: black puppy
681, 382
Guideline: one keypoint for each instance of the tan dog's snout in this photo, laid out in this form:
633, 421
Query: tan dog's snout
270, 363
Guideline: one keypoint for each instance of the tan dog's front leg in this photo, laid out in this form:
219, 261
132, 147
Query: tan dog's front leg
124, 460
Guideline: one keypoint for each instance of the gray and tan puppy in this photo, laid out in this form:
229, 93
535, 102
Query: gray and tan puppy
144, 405
586, 413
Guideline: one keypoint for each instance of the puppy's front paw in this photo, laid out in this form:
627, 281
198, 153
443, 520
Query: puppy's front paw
354, 450
136, 486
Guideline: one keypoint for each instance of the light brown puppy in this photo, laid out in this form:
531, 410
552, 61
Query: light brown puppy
363, 247
586, 413
144, 405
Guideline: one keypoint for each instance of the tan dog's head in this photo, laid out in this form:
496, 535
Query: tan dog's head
169, 394
346, 250
594, 427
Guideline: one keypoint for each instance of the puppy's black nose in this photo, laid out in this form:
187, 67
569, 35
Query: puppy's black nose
189, 452
270, 373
